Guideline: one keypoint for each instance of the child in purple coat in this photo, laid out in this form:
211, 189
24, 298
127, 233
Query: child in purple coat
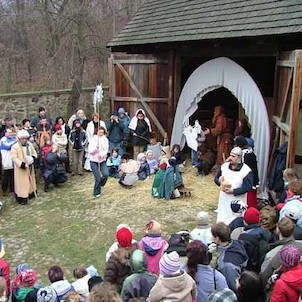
152, 161
153, 245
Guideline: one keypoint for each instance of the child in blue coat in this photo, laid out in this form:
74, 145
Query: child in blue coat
113, 163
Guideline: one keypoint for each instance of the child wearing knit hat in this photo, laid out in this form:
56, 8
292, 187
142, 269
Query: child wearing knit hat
115, 245
47, 294
24, 282
289, 283
202, 231
153, 245
255, 237
173, 283
118, 265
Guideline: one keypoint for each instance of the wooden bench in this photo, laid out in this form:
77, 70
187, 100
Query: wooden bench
186, 191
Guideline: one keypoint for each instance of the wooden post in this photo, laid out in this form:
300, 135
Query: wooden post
294, 113
285, 100
170, 92
111, 82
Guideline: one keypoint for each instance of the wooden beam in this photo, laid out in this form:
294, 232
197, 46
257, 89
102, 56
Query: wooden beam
170, 116
294, 113
286, 63
142, 100
283, 126
111, 81
285, 100
140, 61
135, 99
275, 146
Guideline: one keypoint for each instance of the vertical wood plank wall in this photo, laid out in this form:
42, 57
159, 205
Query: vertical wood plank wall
153, 77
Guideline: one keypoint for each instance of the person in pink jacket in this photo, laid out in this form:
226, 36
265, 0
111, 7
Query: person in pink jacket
153, 245
98, 149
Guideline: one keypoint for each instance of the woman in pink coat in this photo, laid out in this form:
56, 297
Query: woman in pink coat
98, 149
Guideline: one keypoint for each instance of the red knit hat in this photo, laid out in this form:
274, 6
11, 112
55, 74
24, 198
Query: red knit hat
124, 237
58, 127
251, 216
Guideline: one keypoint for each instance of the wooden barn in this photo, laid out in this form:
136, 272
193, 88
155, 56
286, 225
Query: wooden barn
180, 58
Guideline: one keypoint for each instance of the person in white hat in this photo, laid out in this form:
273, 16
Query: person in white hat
202, 231
23, 155
235, 180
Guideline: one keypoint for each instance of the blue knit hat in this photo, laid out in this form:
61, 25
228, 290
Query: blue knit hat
22, 267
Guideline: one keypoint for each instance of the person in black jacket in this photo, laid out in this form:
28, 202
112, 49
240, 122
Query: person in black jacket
140, 129
116, 133
54, 171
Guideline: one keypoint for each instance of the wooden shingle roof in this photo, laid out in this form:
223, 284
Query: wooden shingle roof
160, 21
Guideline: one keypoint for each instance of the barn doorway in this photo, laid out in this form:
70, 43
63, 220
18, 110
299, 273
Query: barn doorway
218, 97
220, 74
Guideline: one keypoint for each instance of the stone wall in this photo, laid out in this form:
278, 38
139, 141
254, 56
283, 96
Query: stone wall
57, 103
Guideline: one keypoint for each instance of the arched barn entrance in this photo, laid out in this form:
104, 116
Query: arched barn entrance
225, 73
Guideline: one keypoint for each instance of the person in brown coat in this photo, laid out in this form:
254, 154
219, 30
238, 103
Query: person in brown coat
220, 129
118, 265
23, 155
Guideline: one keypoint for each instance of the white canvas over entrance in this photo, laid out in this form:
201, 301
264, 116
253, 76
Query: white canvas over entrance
223, 72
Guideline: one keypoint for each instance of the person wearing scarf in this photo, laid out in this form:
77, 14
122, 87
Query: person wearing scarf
140, 128
23, 155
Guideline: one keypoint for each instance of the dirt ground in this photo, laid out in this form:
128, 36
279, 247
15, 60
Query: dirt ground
69, 227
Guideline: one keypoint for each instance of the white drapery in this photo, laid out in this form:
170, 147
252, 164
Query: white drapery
223, 72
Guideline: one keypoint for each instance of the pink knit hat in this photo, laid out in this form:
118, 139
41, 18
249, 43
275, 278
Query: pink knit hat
290, 256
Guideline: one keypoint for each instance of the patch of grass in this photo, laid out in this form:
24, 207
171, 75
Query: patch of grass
68, 227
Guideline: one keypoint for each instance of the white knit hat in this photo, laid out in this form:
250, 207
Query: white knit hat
23, 134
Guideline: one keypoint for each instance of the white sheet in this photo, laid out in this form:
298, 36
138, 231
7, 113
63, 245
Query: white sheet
223, 72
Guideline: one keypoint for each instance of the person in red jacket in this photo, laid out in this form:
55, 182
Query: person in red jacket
287, 288
5, 269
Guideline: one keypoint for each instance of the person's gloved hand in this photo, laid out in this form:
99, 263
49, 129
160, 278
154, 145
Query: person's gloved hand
212, 247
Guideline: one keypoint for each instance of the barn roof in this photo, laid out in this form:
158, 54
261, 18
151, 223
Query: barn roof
160, 21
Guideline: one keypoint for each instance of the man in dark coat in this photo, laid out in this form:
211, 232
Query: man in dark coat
116, 133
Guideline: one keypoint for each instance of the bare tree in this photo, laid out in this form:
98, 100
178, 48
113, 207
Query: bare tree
58, 43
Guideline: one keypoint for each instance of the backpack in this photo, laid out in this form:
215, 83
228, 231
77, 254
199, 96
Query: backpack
178, 242
256, 249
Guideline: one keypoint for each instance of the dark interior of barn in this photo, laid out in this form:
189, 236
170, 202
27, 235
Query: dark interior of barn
261, 69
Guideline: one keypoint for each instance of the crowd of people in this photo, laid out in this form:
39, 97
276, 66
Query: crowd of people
54, 149
248, 263
251, 253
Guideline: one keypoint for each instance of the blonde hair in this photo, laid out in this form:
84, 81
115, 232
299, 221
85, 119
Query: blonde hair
295, 186
289, 174
104, 292
72, 297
